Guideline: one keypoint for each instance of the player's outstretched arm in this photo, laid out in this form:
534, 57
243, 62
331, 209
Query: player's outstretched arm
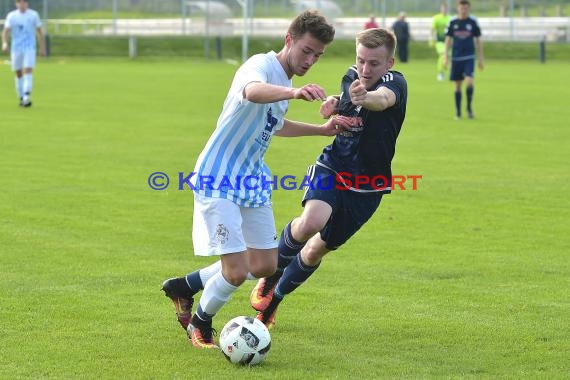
258, 92
331, 127
377, 100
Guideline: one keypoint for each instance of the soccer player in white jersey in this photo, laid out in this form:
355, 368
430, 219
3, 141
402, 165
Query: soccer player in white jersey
23, 24
233, 217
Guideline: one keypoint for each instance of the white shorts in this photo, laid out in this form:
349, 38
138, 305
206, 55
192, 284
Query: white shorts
25, 59
220, 226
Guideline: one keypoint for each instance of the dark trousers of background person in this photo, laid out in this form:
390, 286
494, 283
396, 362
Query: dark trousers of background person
402, 50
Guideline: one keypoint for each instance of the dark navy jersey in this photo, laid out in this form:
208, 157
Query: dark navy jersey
463, 31
369, 148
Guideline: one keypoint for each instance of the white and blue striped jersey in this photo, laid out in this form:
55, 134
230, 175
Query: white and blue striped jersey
232, 165
23, 27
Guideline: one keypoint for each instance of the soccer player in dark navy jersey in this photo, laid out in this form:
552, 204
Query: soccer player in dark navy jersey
464, 32
337, 204
367, 148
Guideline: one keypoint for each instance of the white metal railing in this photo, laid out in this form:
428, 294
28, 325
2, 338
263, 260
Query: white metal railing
493, 28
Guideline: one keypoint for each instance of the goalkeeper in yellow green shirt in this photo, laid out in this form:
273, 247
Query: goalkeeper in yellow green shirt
437, 37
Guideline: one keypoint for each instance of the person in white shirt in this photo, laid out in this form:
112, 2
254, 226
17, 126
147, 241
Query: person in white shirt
233, 215
22, 26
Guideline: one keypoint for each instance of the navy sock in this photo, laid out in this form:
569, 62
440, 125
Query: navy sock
288, 248
202, 316
194, 281
469, 93
458, 103
294, 275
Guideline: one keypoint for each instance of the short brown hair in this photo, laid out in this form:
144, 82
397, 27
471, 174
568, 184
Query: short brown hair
376, 37
312, 22
464, 2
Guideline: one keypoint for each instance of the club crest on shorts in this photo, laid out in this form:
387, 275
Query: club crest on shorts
222, 234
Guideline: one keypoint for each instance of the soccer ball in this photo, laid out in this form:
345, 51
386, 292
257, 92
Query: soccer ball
245, 340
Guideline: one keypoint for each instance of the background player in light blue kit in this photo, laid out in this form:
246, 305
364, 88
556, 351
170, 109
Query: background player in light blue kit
22, 25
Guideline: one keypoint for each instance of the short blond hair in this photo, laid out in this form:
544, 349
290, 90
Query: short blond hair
376, 37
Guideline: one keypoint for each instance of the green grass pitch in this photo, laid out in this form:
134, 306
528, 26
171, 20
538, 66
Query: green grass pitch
466, 277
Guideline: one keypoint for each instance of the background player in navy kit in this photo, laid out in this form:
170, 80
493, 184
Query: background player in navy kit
375, 97
465, 34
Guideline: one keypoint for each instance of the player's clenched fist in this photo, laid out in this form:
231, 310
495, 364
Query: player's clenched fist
329, 107
310, 92
357, 92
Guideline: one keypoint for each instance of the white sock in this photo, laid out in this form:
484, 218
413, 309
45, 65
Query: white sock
27, 84
216, 294
19, 86
209, 271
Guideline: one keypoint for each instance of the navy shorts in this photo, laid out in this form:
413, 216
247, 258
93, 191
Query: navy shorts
350, 209
462, 69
